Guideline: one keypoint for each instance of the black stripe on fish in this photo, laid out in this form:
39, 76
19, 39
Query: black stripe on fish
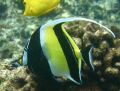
68, 52
37, 62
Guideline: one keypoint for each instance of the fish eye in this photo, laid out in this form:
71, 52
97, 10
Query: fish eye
24, 3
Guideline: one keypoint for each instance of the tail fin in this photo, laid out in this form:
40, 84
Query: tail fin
87, 56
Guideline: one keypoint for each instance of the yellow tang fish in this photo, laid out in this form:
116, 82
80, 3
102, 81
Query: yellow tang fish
39, 7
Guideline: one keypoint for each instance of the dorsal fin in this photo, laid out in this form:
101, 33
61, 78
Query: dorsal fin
87, 56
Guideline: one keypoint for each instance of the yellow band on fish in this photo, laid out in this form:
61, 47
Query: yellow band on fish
20, 61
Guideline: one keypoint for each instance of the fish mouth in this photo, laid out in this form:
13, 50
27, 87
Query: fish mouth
27, 8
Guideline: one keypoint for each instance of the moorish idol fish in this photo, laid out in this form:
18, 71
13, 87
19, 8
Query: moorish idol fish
52, 50
39, 7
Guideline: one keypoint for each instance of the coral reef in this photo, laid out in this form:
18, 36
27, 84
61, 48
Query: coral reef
15, 27
3, 10
15, 30
106, 76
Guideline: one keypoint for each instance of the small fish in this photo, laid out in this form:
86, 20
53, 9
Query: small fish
52, 51
39, 7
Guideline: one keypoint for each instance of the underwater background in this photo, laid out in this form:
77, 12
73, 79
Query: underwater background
16, 29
